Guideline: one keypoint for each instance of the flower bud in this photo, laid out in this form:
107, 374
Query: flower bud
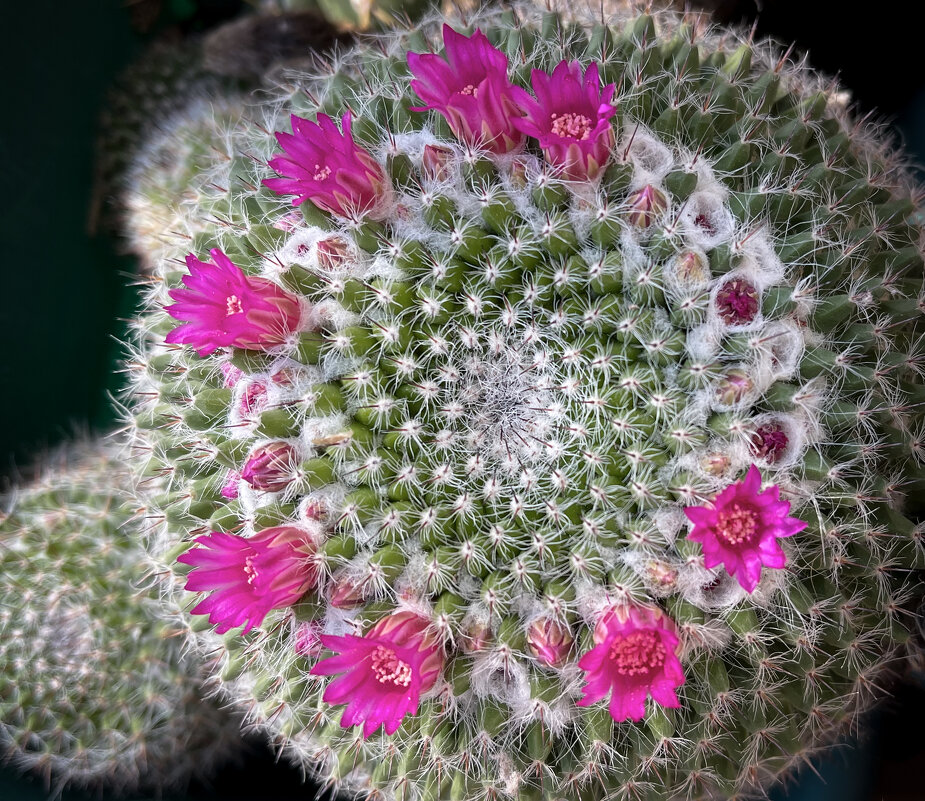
271, 467
333, 253
475, 637
346, 593
435, 162
733, 387
738, 302
550, 641
644, 206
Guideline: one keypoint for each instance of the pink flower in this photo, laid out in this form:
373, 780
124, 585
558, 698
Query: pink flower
221, 307
470, 88
571, 119
634, 656
384, 671
249, 576
325, 166
741, 528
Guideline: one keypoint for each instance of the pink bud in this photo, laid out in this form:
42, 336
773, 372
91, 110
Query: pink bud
253, 399
271, 467
316, 509
230, 487
645, 205
661, 574
333, 253
308, 638
347, 593
550, 641
231, 374
435, 162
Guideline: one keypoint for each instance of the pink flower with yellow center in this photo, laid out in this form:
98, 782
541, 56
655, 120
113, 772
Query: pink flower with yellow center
470, 89
741, 528
324, 165
247, 577
570, 117
223, 307
384, 672
634, 657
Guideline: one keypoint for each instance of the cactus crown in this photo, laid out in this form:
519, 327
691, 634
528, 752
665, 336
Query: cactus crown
517, 376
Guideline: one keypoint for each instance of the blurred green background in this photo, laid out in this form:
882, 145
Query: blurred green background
65, 292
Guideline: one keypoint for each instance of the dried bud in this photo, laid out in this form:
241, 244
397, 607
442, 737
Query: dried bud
476, 636
733, 387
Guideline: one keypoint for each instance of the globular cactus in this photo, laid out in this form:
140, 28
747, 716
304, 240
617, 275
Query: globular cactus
167, 172
96, 688
546, 423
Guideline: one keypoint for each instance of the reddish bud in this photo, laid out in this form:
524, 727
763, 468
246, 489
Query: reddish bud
435, 162
333, 253
644, 206
738, 302
550, 641
271, 467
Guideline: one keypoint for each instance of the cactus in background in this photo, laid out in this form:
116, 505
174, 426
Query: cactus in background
168, 169
544, 419
95, 688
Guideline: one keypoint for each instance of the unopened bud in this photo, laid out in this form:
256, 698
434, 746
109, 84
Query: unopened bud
435, 162
308, 638
476, 636
691, 268
230, 487
271, 467
645, 205
733, 387
347, 593
333, 253
769, 442
550, 641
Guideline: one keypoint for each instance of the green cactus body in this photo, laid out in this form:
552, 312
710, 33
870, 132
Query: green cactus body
509, 389
95, 688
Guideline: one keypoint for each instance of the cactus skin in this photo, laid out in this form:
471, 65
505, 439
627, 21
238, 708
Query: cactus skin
95, 688
747, 273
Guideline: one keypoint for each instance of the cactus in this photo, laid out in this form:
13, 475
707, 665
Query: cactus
553, 433
95, 688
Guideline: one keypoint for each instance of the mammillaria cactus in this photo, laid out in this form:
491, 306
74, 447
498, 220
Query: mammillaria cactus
585, 427
96, 689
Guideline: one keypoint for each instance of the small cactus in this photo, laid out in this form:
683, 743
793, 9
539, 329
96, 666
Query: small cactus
590, 405
95, 688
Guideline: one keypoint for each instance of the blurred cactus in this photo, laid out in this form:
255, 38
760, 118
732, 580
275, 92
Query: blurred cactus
96, 689
588, 426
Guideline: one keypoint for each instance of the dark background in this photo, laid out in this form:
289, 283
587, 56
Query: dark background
64, 294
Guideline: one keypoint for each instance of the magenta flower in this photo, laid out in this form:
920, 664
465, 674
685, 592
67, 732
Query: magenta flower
634, 656
246, 577
470, 88
571, 119
221, 307
325, 166
741, 528
384, 671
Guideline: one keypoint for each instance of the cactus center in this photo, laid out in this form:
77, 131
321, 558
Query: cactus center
469, 90
571, 125
736, 525
321, 173
638, 653
388, 668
